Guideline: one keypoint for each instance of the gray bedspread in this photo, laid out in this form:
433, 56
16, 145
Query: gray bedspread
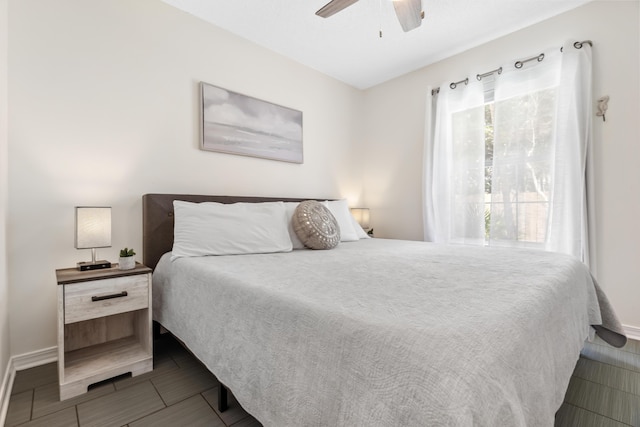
385, 332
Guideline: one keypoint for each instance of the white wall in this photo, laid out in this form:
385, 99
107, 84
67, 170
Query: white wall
104, 108
394, 119
4, 285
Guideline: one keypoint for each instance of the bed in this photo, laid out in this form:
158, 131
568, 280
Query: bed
379, 332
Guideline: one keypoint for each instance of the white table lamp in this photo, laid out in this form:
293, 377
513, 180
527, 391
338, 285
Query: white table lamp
362, 216
93, 230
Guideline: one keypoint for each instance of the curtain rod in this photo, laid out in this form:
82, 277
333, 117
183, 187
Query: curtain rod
517, 64
454, 84
488, 73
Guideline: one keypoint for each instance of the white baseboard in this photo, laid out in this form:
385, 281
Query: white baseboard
632, 332
18, 363
35, 358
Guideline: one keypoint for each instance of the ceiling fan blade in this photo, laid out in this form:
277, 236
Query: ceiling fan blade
409, 13
334, 6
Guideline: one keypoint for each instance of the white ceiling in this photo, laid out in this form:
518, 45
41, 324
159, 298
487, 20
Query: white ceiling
347, 47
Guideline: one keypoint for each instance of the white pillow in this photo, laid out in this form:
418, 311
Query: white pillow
295, 240
359, 230
340, 210
211, 228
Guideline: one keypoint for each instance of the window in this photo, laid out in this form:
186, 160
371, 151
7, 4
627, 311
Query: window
518, 170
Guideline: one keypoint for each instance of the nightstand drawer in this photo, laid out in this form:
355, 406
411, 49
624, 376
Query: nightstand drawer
89, 300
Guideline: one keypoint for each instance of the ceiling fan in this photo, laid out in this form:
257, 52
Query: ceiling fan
409, 12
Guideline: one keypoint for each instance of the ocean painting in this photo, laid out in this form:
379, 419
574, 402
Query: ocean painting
238, 124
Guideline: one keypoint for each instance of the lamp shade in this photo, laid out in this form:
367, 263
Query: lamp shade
362, 216
93, 227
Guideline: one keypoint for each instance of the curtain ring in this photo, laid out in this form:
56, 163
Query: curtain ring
578, 45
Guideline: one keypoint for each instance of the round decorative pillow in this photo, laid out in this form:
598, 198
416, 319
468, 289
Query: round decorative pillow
315, 226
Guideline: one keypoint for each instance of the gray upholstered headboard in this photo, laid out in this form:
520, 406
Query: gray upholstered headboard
157, 219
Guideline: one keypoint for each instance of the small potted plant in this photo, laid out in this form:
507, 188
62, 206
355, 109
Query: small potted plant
127, 260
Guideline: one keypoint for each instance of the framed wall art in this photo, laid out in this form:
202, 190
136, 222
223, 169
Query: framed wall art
239, 124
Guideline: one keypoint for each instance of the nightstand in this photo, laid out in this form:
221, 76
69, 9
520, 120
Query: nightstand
104, 326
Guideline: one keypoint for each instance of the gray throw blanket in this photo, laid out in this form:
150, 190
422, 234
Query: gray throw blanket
388, 333
610, 330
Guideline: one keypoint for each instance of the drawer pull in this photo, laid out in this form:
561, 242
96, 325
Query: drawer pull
104, 297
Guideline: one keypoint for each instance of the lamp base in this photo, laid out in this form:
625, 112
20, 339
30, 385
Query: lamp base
85, 266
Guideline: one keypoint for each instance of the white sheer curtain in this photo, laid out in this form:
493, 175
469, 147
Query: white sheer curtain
571, 220
453, 204
524, 145
507, 165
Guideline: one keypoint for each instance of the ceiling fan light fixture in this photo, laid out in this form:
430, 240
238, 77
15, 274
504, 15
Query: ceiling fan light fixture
409, 13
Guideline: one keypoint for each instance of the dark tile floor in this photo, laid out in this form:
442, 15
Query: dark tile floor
604, 391
605, 388
178, 392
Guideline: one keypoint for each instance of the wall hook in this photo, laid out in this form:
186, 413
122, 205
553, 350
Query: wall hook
603, 104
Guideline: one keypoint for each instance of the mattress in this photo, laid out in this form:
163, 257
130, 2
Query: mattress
385, 332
